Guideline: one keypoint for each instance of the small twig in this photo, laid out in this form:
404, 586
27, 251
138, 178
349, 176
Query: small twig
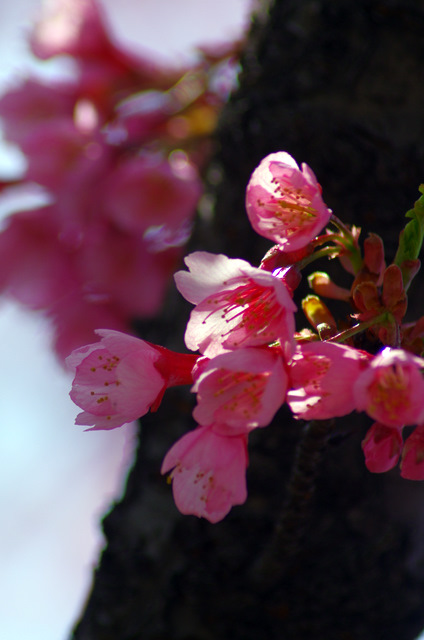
287, 536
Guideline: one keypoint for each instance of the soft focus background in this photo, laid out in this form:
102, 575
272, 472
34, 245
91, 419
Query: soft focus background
56, 480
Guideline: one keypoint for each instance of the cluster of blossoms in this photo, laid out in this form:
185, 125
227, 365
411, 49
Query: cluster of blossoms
116, 151
250, 357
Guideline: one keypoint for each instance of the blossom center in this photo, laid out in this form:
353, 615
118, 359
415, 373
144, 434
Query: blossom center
250, 307
243, 391
390, 391
293, 209
101, 380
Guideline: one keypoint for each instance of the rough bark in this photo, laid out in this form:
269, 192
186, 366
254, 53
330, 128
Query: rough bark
339, 85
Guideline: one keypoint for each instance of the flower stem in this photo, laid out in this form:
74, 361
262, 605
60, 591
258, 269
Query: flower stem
324, 252
359, 328
350, 243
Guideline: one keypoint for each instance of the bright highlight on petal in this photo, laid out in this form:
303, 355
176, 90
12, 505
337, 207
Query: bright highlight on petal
240, 306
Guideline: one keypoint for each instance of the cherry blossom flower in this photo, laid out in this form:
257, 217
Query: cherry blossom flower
120, 378
241, 389
75, 319
382, 447
284, 202
34, 268
321, 379
391, 390
148, 190
78, 28
34, 104
124, 269
412, 465
100, 281
208, 472
116, 149
237, 305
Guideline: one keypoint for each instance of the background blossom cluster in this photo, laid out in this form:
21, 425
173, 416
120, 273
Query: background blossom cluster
117, 151
251, 360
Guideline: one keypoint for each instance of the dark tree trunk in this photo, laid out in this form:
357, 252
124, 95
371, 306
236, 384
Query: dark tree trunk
339, 85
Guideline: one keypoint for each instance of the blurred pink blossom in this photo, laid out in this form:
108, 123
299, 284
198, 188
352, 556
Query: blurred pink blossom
149, 190
78, 28
117, 149
34, 268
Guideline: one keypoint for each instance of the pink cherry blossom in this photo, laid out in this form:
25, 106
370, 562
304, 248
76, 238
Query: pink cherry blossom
34, 104
412, 465
61, 156
121, 198
151, 190
102, 281
237, 305
242, 389
391, 390
120, 378
382, 447
78, 28
34, 268
116, 150
321, 379
208, 472
124, 269
75, 318
284, 202
74, 27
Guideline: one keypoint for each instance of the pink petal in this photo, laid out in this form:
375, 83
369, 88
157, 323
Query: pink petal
322, 375
412, 465
391, 390
284, 202
116, 380
382, 446
242, 389
208, 476
207, 274
34, 267
149, 190
238, 305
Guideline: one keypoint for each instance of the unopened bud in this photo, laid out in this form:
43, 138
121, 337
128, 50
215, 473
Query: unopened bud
374, 254
321, 283
317, 312
393, 296
366, 298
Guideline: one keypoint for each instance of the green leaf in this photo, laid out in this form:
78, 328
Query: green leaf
412, 236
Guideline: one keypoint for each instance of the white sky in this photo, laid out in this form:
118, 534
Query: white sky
55, 479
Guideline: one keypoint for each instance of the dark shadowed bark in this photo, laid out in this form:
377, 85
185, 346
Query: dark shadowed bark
339, 555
